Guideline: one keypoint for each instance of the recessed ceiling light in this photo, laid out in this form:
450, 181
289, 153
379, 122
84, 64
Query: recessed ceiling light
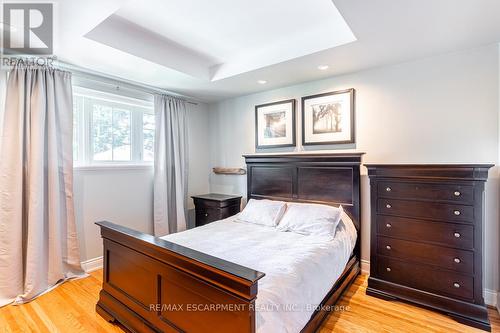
323, 67
262, 82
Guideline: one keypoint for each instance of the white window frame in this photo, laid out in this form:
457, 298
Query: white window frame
136, 107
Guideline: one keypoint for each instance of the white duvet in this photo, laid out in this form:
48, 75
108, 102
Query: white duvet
299, 269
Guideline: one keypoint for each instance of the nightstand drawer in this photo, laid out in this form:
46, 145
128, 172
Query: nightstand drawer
424, 209
440, 233
207, 215
437, 192
423, 277
442, 257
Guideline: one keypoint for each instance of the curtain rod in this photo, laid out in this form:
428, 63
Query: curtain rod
119, 82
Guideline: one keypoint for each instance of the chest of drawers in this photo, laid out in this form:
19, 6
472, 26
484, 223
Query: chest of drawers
427, 237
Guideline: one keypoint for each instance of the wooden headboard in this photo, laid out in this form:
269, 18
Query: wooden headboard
331, 179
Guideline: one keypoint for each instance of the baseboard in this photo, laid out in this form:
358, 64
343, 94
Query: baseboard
491, 297
92, 264
365, 267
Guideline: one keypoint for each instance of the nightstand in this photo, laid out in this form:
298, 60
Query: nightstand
212, 207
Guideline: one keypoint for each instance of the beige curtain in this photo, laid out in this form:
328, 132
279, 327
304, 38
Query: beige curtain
171, 166
38, 241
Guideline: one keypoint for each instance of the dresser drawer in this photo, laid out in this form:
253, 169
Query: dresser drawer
423, 209
447, 234
424, 277
443, 257
437, 192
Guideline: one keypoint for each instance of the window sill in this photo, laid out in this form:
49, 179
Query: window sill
112, 167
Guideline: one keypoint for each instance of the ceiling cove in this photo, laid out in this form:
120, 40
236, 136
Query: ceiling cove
218, 39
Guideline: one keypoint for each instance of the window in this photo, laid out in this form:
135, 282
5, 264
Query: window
148, 139
111, 129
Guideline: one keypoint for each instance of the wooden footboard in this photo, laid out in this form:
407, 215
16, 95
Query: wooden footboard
152, 285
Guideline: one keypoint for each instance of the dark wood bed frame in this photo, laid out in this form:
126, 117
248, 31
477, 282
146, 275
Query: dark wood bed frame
152, 285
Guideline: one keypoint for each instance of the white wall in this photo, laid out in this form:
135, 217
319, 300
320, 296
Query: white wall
3, 88
441, 109
125, 195
498, 241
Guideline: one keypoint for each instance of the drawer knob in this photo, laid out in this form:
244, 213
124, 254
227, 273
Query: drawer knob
388, 206
388, 247
456, 212
388, 189
206, 214
388, 269
388, 225
457, 235
457, 260
456, 285
457, 193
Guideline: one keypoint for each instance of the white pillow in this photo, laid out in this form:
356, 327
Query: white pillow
265, 212
349, 225
310, 219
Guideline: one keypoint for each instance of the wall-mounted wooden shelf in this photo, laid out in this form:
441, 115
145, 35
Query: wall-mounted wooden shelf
229, 171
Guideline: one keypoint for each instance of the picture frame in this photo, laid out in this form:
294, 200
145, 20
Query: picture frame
329, 118
275, 124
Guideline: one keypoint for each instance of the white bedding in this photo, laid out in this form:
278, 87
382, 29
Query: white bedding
299, 269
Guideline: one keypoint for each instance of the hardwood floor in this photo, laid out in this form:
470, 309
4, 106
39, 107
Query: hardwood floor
364, 313
70, 308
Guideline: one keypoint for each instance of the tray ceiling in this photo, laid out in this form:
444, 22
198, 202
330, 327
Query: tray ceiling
218, 39
212, 50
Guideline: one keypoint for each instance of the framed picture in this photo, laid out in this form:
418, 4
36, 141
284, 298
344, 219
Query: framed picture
275, 124
328, 118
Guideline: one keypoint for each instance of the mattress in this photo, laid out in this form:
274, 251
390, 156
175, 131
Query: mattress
300, 270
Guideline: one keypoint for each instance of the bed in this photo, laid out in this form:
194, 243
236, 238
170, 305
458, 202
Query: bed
184, 283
